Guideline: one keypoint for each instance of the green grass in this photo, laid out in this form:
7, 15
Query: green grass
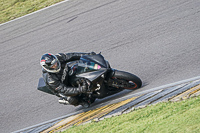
178, 117
11, 9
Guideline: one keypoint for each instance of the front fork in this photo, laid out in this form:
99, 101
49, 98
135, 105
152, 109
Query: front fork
110, 74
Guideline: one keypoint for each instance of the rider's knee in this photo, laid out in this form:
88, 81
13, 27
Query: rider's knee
72, 100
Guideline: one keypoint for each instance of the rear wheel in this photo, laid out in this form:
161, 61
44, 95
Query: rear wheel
125, 80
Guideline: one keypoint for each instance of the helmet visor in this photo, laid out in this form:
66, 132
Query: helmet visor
55, 67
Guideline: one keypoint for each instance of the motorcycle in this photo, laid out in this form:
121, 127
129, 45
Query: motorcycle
102, 79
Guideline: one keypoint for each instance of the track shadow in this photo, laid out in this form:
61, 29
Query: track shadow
110, 99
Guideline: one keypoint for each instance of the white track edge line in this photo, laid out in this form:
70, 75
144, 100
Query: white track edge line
34, 12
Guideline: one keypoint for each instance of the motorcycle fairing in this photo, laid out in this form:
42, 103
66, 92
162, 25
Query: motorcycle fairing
43, 87
91, 67
92, 75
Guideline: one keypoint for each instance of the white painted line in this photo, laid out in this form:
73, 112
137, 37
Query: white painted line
35, 12
44, 123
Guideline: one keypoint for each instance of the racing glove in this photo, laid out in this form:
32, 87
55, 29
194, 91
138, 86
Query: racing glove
83, 85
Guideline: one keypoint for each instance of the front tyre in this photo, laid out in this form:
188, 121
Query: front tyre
126, 80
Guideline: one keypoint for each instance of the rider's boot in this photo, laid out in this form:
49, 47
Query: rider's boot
85, 104
63, 101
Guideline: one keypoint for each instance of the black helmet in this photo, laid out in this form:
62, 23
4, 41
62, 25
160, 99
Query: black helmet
50, 63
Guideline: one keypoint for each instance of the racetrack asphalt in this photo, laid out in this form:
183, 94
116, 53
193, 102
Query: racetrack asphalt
156, 40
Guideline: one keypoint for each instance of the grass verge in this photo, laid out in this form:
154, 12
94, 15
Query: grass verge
11, 9
178, 117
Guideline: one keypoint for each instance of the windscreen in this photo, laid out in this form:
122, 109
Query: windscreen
85, 66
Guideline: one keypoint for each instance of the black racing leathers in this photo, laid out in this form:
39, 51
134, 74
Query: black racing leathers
59, 82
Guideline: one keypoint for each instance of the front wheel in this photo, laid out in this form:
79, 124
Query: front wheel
125, 80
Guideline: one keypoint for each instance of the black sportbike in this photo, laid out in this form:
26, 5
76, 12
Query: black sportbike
103, 80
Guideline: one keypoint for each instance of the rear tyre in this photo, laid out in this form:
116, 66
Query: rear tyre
127, 80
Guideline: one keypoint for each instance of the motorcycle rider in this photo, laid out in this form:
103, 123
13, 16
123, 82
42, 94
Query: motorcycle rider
56, 75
